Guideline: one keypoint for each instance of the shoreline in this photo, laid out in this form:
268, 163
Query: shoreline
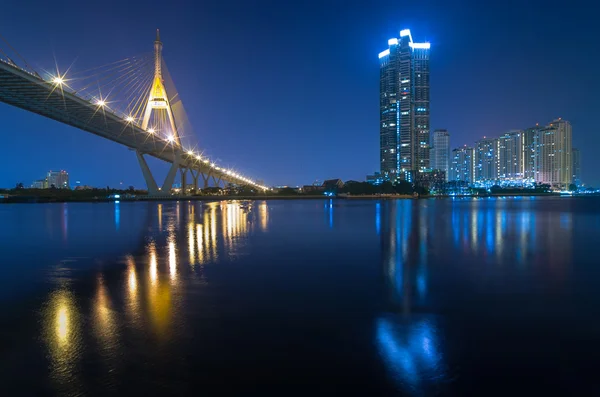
46, 200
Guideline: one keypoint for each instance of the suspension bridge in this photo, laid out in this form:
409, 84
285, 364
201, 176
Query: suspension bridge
132, 102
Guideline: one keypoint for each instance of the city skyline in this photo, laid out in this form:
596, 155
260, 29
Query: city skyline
59, 147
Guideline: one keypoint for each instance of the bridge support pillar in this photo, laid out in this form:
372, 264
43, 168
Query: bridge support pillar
150, 182
205, 179
216, 181
183, 171
170, 179
195, 178
153, 189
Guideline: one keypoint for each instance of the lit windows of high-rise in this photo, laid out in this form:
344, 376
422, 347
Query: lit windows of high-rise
439, 154
404, 107
486, 160
463, 165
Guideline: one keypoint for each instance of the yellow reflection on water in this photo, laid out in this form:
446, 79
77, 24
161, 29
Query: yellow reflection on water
263, 212
153, 263
191, 242
199, 234
62, 325
133, 306
172, 258
62, 334
104, 322
160, 216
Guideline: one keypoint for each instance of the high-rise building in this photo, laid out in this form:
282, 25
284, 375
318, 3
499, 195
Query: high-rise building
486, 160
58, 179
404, 107
576, 157
530, 152
439, 155
510, 156
554, 154
463, 165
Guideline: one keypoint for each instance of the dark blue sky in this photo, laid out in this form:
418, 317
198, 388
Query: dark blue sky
288, 91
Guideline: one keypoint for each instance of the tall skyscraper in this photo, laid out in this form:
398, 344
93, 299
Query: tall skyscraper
576, 156
530, 152
439, 155
554, 154
404, 107
510, 156
58, 179
486, 160
463, 165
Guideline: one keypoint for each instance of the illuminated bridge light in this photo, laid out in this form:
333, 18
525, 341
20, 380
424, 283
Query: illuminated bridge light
191, 153
200, 158
171, 138
129, 119
58, 80
101, 103
205, 161
151, 131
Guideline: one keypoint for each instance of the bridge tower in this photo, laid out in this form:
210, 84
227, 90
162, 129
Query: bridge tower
158, 101
158, 98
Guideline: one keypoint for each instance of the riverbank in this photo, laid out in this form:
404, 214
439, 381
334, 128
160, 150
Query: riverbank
16, 199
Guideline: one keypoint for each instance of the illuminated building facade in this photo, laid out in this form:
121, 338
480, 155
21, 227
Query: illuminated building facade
58, 179
404, 107
439, 154
463, 165
510, 156
576, 157
554, 154
486, 160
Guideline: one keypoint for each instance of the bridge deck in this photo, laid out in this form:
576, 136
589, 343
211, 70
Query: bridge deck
27, 91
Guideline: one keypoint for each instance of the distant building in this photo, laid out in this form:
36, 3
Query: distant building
554, 154
463, 165
510, 156
376, 179
58, 179
486, 160
404, 107
433, 180
39, 184
439, 155
530, 152
576, 157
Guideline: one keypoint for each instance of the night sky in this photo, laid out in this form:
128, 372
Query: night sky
288, 91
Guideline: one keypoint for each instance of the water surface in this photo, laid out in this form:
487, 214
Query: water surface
312, 297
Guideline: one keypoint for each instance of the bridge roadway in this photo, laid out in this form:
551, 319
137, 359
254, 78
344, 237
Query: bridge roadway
28, 91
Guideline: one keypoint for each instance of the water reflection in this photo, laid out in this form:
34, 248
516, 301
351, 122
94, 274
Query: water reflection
151, 278
415, 234
62, 333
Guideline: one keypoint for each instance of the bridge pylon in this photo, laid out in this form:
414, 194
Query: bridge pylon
158, 101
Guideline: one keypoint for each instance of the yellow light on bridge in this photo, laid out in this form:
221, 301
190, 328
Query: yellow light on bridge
200, 158
58, 80
129, 119
171, 139
191, 153
101, 103
151, 131
212, 165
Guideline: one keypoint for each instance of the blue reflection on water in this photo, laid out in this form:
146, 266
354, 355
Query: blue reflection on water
378, 218
411, 351
117, 215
